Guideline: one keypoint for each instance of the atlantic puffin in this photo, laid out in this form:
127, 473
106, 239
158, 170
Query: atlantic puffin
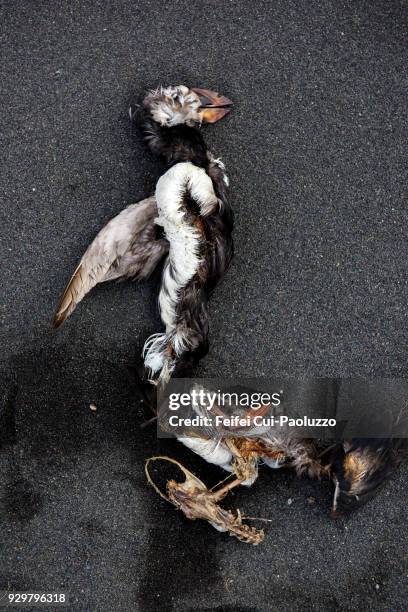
191, 207
188, 222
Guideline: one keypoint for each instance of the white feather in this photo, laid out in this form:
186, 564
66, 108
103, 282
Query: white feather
154, 352
209, 449
174, 105
184, 259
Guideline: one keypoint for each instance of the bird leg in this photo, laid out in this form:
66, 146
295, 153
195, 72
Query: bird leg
197, 502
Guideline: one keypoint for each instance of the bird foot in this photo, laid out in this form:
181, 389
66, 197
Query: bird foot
197, 502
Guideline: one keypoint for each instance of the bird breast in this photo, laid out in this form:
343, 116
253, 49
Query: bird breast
181, 182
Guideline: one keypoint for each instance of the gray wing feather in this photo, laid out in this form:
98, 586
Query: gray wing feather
125, 248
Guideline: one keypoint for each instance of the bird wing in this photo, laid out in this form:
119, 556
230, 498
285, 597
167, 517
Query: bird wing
125, 248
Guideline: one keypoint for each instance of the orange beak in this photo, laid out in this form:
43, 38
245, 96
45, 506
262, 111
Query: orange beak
213, 106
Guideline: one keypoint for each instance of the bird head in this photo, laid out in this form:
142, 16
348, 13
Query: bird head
170, 106
358, 471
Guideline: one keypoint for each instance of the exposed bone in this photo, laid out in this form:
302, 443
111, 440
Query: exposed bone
198, 502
